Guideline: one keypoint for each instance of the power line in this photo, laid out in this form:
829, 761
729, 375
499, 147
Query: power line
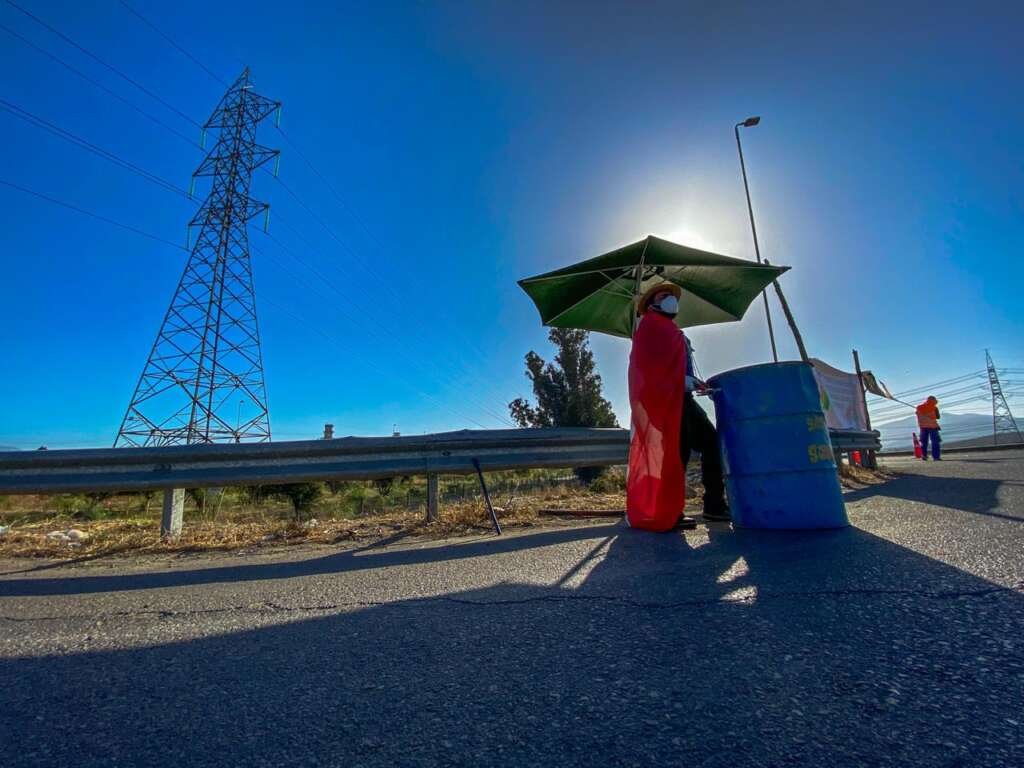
366, 264
97, 84
177, 246
111, 157
357, 257
56, 130
376, 332
940, 383
111, 67
181, 50
369, 361
171, 187
97, 216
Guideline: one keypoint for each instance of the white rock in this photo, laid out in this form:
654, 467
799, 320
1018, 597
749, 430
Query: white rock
76, 535
4, 529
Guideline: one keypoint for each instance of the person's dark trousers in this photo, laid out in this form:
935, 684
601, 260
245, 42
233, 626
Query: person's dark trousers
932, 435
699, 434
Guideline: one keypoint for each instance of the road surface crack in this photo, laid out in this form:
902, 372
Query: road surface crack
270, 608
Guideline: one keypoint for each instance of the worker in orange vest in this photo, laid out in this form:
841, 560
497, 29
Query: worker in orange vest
928, 423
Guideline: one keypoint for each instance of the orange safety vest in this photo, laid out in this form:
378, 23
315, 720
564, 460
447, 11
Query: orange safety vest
928, 415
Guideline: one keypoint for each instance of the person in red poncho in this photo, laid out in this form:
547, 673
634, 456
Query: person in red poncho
662, 433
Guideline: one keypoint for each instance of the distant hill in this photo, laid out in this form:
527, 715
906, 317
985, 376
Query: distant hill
9, 448
956, 427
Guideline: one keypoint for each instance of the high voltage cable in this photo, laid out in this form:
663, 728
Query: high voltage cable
375, 331
155, 96
74, 207
319, 219
940, 383
369, 267
348, 249
97, 84
948, 393
366, 264
181, 50
157, 238
381, 329
369, 360
111, 67
111, 157
56, 130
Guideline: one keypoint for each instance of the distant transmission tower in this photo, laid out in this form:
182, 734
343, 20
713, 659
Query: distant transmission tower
203, 381
1002, 417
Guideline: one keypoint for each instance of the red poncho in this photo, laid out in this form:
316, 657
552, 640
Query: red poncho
656, 487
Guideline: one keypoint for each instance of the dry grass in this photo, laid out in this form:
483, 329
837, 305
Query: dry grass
855, 478
140, 534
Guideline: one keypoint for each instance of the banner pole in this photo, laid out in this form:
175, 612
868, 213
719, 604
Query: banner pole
872, 463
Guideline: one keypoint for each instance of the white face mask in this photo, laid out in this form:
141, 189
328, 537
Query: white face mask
669, 305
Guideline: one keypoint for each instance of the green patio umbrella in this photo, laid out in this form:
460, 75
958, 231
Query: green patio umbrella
600, 294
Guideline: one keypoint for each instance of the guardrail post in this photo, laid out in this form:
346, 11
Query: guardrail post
174, 509
432, 515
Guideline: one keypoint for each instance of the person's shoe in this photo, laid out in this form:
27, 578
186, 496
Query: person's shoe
717, 514
686, 523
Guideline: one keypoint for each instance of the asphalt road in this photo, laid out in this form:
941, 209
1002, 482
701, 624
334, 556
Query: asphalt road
897, 641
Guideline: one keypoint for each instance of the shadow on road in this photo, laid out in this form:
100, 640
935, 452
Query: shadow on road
975, 495
342, 561
748, 648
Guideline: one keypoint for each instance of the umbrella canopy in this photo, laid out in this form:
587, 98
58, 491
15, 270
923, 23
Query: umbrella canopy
600, 294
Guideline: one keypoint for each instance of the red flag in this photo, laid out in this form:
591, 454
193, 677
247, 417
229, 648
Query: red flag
656, 486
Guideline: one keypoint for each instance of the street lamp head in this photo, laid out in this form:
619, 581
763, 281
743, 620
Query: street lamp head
751, 121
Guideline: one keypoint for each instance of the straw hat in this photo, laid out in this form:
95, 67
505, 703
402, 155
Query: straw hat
645, 300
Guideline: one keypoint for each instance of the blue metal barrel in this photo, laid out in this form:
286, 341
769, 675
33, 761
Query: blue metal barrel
780, 471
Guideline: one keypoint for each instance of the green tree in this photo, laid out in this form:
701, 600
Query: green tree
567, 390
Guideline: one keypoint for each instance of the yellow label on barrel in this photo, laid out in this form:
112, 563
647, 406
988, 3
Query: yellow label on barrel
820, 452
815, 423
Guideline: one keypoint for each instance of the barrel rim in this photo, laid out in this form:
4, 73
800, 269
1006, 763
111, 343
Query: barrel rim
746, 368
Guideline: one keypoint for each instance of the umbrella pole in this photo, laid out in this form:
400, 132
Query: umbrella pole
791, 320
636, 286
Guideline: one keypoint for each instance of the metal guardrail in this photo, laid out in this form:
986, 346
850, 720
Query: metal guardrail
855, 440
349, 458
174, 468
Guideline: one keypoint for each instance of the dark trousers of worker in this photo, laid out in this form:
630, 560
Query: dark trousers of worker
932, 435
699, 434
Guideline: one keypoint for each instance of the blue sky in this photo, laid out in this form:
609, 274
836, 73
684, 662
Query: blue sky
475, 143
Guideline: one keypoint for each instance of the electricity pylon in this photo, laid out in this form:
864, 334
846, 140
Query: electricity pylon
203, 381
1002, 416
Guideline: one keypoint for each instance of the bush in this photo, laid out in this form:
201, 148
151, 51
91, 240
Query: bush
338, 486
359, 498
301, 495
589, 475
612, 481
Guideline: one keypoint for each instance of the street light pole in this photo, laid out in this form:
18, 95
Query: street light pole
750, 122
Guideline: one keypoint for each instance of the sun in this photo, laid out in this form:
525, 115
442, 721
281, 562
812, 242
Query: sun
686, 236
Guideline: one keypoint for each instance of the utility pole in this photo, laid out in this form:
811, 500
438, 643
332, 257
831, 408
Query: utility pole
207, 354
1002, 416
